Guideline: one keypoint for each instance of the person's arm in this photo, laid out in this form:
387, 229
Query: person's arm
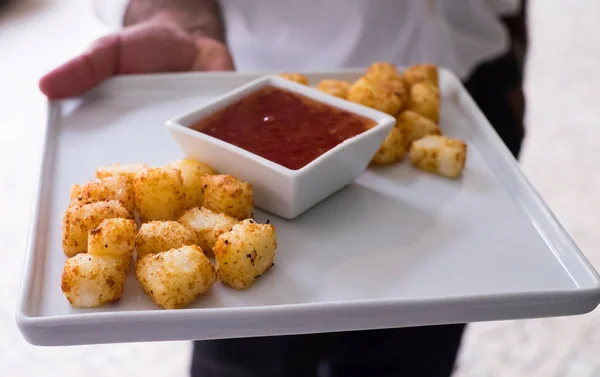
159, 36
505, 7
197, 17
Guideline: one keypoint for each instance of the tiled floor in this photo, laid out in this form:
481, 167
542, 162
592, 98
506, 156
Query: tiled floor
560, 158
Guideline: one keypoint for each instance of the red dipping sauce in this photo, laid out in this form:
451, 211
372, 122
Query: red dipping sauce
284, 127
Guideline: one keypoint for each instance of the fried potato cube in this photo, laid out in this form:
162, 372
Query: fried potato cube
439, 154
90, 281
295, 77
175, 278
208, 225
425, 100
414, 126
159, 194
156, 236
337, 88
420, 73
113, 238
123, 170
78, 220
376, 95
109, 188
191, 173
382, 71
399, 89
229, 195
392, 150
386, 75
245, 253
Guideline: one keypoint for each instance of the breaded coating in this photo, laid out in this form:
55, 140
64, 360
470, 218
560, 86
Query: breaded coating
208, 225
399, 89
425, 100
108, 188
229, 195
124, 170
420, 73
113, 238
159, 194
90, 281
296, 77
337, 88
386, 75
80, 219
439, 154
381, 71
392, 150
415, 126
376, 95
156, 236
245, 253
191, 173
175, 278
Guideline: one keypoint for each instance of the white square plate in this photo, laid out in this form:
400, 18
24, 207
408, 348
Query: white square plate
399, 247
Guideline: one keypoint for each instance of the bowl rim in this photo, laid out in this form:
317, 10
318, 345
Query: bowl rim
178, 122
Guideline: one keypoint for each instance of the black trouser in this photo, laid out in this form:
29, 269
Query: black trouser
418, 351
429, 351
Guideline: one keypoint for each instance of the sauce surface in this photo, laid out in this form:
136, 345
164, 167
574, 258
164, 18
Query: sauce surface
283, 127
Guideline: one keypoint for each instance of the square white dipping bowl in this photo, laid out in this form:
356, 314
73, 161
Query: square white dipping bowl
278, 190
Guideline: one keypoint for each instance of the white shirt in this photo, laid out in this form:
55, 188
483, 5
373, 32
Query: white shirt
329, 34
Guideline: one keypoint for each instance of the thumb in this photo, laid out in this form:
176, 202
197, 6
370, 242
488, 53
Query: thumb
212, 55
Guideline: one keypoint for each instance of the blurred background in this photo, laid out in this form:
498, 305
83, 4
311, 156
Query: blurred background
560, 158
